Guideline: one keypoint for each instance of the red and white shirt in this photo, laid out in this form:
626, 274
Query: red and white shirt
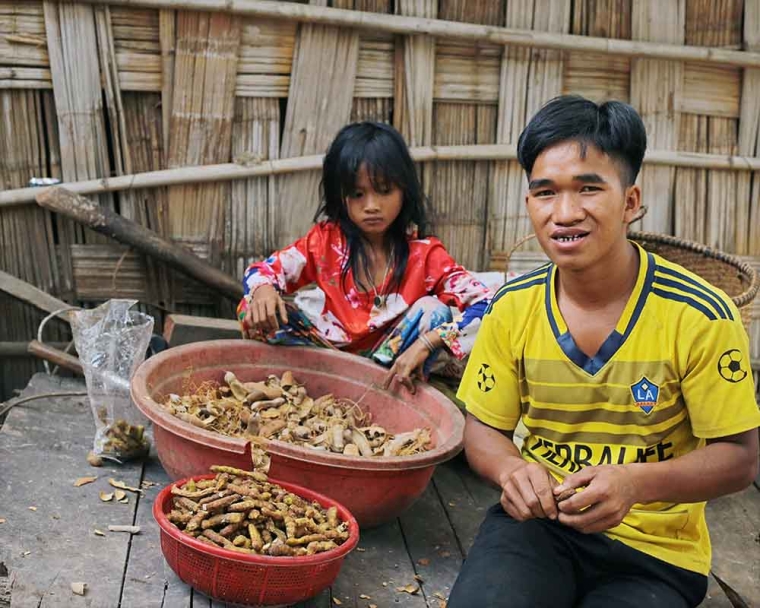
350, 319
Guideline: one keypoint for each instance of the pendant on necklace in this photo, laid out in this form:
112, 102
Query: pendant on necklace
379, 302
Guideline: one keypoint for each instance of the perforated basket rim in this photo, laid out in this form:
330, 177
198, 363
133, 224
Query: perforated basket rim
740, 300
339, 552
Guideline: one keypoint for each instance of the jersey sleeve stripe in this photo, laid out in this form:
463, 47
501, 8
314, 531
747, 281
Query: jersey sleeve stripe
697, 284
669, 295
515, 286
694, 292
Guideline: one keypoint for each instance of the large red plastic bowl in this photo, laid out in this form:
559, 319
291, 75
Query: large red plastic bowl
375, 490
245, 579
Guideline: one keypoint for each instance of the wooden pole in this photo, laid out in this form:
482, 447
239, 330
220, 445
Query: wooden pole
113, 225
233, 171
398, 24
60, 358
21, 349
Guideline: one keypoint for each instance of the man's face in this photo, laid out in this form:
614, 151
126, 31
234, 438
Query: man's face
579, 207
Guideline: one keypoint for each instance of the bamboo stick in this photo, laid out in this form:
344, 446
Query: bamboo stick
233, 171
111, 224
397, 24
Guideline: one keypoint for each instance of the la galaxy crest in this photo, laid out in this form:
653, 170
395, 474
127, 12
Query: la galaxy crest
645, 394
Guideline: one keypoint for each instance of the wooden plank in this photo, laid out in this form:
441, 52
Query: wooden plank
378, 565
183, 329
323, 600
42, 447
145, 579
734, 524
432, 545
177, 593
465, 497
30, 294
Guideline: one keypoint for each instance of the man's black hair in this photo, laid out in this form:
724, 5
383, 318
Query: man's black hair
613, 127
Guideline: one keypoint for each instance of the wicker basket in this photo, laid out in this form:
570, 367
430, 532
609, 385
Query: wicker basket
727, 272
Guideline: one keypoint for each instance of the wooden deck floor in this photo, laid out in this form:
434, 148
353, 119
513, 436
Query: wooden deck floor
48, 539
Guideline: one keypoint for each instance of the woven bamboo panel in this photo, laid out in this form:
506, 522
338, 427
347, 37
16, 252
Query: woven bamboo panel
656, 87
529, 78
413, 111
465, 94
467, 74
249, 225
706, 202
24, 61
593, 76
313, 119
374, 68
749, 130
138, 50
26, 230
266, 58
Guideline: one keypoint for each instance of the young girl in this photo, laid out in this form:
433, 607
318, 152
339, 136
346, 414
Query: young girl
383, 289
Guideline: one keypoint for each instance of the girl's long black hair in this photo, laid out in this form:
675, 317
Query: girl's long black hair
383, 151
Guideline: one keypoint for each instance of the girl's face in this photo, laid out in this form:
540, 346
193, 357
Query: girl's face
373, 211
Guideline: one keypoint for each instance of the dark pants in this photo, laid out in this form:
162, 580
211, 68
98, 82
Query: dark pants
541, 563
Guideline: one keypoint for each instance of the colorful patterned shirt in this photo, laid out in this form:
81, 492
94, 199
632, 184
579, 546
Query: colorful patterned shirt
350, 319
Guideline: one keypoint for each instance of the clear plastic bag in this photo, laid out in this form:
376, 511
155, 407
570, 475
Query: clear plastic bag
111, 341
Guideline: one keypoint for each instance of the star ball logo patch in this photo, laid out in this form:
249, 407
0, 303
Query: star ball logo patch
645, 394
486, 379
730, 366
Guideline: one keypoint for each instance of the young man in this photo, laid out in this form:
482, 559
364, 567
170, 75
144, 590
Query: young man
632, 377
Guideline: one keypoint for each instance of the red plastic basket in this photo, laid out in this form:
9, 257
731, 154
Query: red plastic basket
251, 580
375, 490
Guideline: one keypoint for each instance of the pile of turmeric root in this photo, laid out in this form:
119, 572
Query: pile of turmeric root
241, 511
280, 409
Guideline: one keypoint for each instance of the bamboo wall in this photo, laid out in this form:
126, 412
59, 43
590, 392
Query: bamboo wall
92, 90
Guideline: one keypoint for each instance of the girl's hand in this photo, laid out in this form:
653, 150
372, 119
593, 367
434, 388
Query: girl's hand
408, 366
263, 308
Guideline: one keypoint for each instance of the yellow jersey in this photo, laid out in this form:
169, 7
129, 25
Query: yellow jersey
673, 373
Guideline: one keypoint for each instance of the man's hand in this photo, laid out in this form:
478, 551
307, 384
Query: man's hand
263, 308
527, 492
608, 493
408, 366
